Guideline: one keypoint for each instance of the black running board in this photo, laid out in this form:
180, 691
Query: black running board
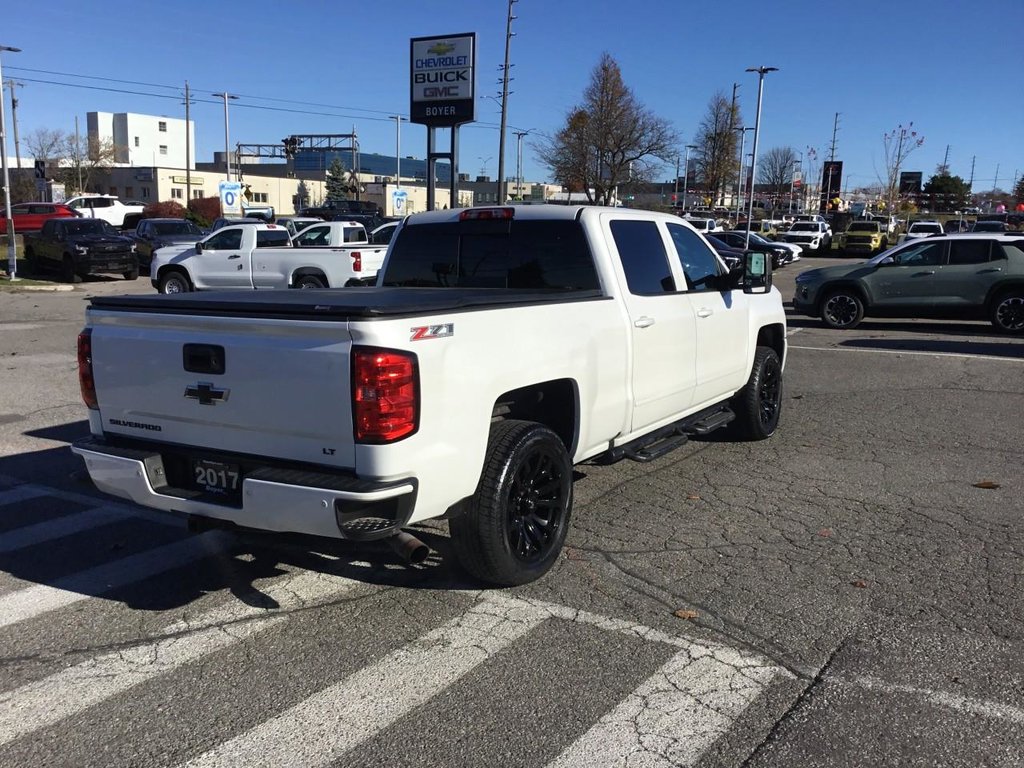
656, 444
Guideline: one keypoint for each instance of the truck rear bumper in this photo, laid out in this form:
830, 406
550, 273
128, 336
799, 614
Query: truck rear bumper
272, 499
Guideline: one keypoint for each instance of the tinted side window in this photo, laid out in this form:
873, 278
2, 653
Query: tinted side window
698, 261
313, 236
526, 255
1009, 251
273, 238
229, 239
968, 251
45, 209
643, 257
923, 255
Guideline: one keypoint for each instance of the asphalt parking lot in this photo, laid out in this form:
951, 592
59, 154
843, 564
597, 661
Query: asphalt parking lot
850, 592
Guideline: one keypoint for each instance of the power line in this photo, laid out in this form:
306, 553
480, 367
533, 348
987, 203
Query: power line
258, 107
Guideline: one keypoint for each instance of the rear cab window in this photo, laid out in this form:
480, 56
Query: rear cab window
522, 255
273, 238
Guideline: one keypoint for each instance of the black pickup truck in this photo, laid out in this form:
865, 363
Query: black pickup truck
78, 247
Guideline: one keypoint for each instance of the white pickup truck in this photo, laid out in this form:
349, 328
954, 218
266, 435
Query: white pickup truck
500, 347
248, 256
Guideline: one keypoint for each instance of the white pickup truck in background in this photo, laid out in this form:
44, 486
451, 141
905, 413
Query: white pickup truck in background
500, 347
259, 256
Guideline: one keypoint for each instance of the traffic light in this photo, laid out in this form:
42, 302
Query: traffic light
291, 145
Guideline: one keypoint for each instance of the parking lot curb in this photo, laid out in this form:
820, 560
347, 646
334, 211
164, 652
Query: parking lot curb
14, 286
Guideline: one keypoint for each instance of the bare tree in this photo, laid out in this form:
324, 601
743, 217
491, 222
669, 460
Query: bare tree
898, 145
85, 162
717, 144
47, 144
609, 140
775, 170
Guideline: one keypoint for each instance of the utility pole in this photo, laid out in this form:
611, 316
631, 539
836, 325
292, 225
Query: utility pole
832, 158
995, 181
945, 161
227, 146
398, 148
686, 171
675, 192
188, 150
970, 184
14, 118
12, 254
504, 106
741, 182
78, 156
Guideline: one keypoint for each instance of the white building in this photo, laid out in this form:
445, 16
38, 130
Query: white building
143, 140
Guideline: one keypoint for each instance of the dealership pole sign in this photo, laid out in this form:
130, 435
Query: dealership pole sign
442, 73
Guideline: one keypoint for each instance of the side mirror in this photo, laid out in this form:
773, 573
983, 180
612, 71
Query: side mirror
199, 247
757, 272
888, 261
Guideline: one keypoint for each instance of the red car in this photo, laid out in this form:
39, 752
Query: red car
29, 217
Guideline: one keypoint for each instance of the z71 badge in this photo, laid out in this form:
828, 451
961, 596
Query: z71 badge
432, 332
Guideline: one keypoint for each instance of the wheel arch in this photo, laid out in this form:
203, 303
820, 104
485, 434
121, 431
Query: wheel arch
1000, 288
307, 272
168, 268
773, 336
555, 404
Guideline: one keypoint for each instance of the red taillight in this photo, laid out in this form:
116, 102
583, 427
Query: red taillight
357, 261
85, 380
385, 394
471, 214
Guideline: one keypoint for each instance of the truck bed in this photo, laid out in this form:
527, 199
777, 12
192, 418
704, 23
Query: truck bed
334, 305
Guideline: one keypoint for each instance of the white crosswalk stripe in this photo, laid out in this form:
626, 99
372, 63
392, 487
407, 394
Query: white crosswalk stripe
30, 602
45, 702
345, 714
68, 525
672, 718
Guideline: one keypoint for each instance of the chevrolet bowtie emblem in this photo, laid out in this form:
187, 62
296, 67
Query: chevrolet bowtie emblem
206, 393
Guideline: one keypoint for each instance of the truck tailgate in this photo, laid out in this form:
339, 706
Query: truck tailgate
247, 385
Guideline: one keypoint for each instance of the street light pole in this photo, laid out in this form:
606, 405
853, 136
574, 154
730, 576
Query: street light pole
686, 172
740, 182
227, 146
12, 253
398, 148
519, 161
761, 72
792, 173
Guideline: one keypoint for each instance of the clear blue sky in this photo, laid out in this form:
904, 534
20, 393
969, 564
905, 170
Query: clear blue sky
953, 68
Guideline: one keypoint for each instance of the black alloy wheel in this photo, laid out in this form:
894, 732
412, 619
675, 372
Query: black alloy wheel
1008, 312
536, 502
842, 310
758, 405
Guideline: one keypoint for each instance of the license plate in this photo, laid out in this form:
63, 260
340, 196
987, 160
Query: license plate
217, 477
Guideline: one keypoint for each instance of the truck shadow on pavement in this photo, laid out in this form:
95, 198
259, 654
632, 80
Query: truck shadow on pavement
68, 536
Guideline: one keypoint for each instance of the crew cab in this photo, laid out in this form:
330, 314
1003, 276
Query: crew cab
76, 247
108, 208
809, 235
862, 237
499, 347
248, 256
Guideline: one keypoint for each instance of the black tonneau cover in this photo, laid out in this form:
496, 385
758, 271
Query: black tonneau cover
339, 303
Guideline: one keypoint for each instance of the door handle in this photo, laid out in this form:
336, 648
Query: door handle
235, 256
644, 322
923, 274
988, 271
705, 312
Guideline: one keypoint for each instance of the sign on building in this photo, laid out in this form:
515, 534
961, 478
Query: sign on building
399, 200
443, 89
910, 182
230, 198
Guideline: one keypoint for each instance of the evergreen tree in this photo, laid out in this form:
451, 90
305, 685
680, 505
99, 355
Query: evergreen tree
337, 186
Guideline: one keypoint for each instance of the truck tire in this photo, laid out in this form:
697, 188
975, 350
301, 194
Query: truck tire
842, 309
516, 522
67, 270
1007, 313
174, 282
306, 282
132, 274
759, 404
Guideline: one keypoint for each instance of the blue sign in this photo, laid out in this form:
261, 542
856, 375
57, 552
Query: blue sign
399, 200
